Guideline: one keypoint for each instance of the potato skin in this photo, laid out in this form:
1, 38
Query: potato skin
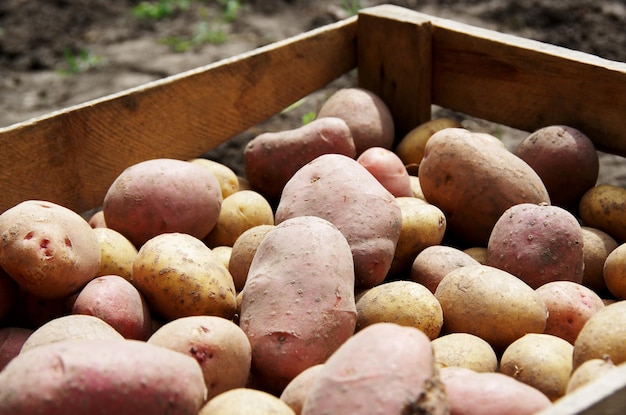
588, 371
614, 272
48, 249
271, 158
473, 181
101, 376
388, 169
296, 320
296, 391
604, 207
245, 401
434, 262
243, 251
464, 350
225, 176
597, 245
117, 253
340, 190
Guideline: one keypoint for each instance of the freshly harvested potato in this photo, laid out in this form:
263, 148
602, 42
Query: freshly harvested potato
180, 276
569, 306
604, 207
367, 115
271, 158
464, 350
340, 190
116, 301
473, 181
11, 341
219, 345
542, 361
117, 253
615, 272
565, 159
538, 244
245, 401
97, 220
48, 249
406, 303
243, 251
479, 253
226, 177
435, 262
603, 336
388, 169
491, 304
295, 320
383, 369
587, 372
296, 391
240, 211
8, 293
223, 253
162, 196
423, 225
597, 245
410, 149
490, 393
70, 327
104, 376
416, 188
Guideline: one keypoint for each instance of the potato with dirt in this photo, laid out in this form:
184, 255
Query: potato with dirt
587, 372
48, 249
271, 158
604, 207
337, 188
597, 245
297, 319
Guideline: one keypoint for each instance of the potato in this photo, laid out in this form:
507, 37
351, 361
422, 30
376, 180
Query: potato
465, 350
490, 393
603, 336
597, 245
240, 211
388, 169
219, 345
271, 158
297, 390
542, 361
383, 369
406, 303
226, 177
367, 115
295, 320
416, 188
103, 376
48, 249
245, 401
11, 341
180, 276
423, 225
116, 301
97, 220
70, 327
491, 304
162, 196
223, 253
8, 293
473, 181
479, 253
117, 253
538, 244
569, 306
615, 272
587, 372
243, 251
340, 190
604, 207
434, 262
565, 159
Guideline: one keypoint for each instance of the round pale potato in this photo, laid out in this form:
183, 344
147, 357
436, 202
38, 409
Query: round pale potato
226, 177
48, 249
603, 207
97, 220
416, 188
297, 390
406, 303
597, 245
465, 350
243, 251
589, 371
435, 262
180, 276
479, 253
615, 272
223, 253
542, 361
117, 253
245, 401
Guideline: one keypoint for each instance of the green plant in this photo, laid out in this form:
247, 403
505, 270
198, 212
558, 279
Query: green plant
352, 7
308, 117
230, 9
160, 9
79, 62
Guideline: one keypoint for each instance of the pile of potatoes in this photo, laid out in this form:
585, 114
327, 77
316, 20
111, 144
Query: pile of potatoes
349, 271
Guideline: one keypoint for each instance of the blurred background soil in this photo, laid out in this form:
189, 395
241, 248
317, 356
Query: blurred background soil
57, 53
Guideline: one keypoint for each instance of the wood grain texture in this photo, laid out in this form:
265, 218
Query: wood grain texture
72, 156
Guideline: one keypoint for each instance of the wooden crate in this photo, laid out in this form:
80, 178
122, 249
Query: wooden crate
411, 60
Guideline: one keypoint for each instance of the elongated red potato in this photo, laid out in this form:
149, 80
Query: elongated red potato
388, 169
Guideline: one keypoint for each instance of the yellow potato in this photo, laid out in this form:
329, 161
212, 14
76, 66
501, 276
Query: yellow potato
604, 207
223, 254
226, 177
416, 187
243, 251
465, 350
117, 253
597, 245
615, 272
245, 401
479, 253
589, 371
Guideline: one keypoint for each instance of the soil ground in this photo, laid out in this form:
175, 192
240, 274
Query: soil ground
114, 50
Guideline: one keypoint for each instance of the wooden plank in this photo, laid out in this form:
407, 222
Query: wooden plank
394, 57
71, 157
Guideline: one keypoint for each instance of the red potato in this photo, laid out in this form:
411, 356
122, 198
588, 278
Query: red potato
114, 377
295, 320
162, 196
271, 158
116, 301
11, 341
383, 369
340, 190
48, 249
388, 169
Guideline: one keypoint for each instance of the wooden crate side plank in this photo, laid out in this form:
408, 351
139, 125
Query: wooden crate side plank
79, 151
394, 61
